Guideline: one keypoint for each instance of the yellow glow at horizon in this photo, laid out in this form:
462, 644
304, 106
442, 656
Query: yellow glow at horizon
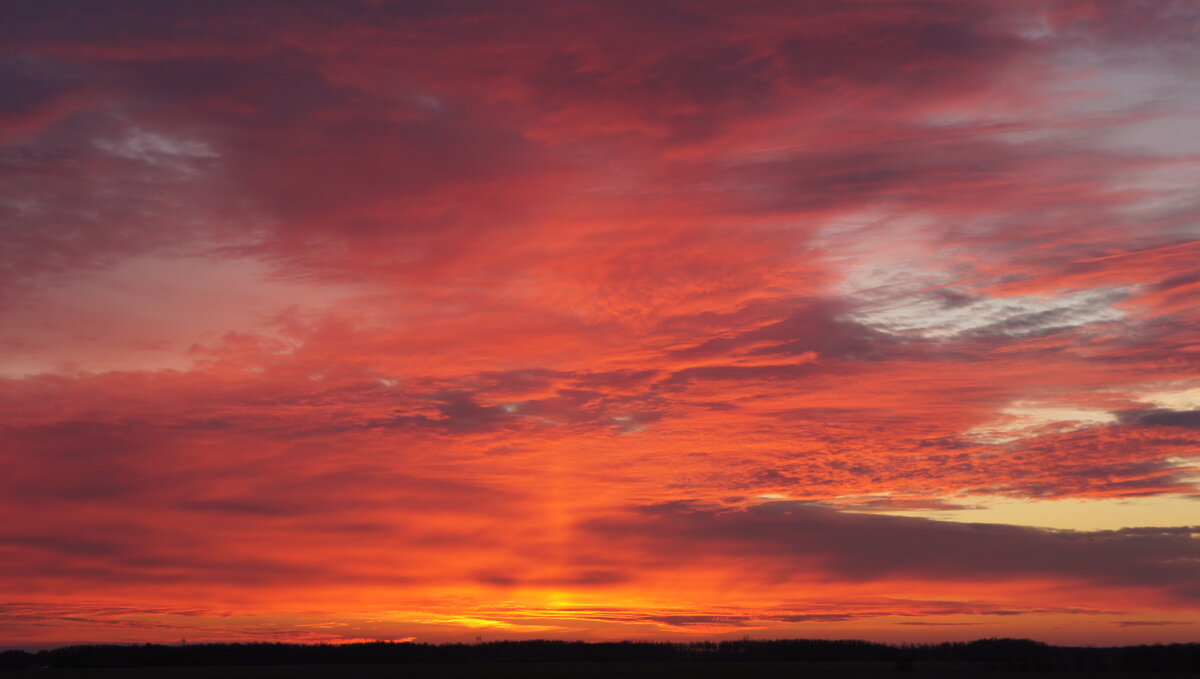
1072, 514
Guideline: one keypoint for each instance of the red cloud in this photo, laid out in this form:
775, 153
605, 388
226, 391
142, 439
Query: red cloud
395, 311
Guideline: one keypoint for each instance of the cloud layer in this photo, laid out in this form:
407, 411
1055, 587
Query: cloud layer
379, 320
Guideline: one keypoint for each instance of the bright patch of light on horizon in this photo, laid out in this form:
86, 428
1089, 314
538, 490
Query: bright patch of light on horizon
464, 621
1083, 514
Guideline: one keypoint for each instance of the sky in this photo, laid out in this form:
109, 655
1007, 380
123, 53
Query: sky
683, 319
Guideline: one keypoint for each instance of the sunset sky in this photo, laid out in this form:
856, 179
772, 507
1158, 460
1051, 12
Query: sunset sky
694, 319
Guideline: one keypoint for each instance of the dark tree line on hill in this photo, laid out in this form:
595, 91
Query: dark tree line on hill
1009, 654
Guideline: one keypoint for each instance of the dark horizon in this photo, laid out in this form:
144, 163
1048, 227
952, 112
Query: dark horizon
1001, 653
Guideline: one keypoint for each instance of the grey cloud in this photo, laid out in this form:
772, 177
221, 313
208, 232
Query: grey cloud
862, 547
817, 325
1162, 417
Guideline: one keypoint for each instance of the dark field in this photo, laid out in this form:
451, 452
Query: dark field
547, 659
594, 670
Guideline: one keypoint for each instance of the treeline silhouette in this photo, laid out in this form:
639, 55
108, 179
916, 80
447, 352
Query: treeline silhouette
1006, 654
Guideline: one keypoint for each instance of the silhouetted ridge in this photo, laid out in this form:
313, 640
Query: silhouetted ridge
1019, 654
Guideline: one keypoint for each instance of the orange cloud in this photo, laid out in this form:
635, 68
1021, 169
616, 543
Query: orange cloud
365, 321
